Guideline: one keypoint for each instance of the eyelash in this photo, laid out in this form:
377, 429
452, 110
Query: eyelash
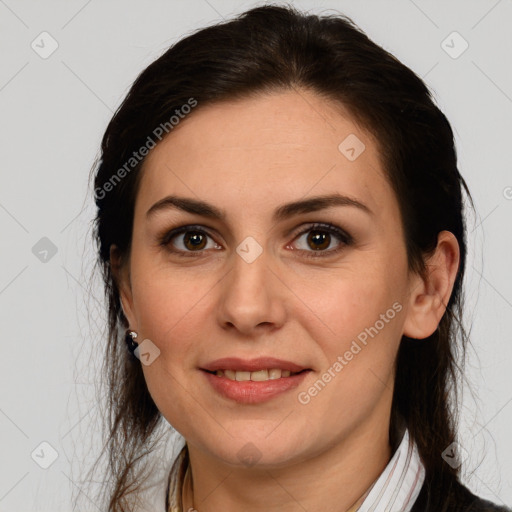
343, 237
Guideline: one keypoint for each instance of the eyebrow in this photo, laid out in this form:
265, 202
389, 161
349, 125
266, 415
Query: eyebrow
313, 204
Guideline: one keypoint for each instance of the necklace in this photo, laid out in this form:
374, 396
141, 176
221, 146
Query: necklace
187, 492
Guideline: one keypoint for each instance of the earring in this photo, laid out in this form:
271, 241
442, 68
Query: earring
130, 338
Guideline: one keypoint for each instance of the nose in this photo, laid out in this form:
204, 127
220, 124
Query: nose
253, 297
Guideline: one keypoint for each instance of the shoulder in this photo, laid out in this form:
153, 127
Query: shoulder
458, 499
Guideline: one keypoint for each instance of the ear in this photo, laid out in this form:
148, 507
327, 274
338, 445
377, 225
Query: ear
121, 275
429, 296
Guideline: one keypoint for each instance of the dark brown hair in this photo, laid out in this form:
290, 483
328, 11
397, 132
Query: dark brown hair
265, 49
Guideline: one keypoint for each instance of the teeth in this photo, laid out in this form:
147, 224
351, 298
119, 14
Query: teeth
260, 375
243, 375
230, 374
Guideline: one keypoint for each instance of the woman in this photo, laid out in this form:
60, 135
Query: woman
281, 232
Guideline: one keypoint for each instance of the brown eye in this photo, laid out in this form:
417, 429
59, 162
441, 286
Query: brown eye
188, 239
194, 240
320, 237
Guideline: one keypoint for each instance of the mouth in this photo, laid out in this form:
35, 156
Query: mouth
253, 381
257, 376
259, 369
256, 387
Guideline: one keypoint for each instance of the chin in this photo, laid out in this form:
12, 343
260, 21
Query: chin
261, 451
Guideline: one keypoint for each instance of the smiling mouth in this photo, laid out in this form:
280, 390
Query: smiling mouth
257, 376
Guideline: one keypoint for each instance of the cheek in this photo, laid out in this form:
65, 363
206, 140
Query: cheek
347, 304
167, 312
171, 310
162, 295
174, 309
358, 327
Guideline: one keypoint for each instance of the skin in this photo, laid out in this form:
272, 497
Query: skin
248, 157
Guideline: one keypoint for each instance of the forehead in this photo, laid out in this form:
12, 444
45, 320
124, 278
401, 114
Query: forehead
270, 148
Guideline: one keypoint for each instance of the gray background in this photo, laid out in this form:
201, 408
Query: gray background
53, 113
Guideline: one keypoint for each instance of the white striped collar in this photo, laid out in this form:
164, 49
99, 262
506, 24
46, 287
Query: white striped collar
398, 486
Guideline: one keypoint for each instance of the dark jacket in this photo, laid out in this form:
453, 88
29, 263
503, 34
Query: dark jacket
458, 499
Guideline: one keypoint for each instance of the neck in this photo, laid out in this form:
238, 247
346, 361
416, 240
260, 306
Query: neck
337, 479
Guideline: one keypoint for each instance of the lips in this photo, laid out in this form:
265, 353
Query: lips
253, 365
253, 392
253, 381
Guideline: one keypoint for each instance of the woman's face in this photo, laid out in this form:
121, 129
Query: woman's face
261, 280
